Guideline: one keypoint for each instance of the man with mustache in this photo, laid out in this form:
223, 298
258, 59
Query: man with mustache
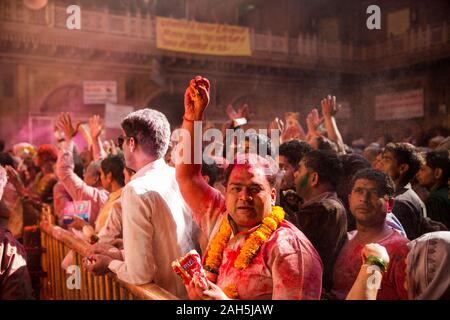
370, 200
253, 253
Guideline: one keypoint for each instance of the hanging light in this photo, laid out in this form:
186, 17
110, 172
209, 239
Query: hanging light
35, 4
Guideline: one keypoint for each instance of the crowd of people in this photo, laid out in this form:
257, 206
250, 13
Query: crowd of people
301, 216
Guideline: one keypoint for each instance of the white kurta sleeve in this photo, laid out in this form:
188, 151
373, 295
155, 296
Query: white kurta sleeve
138, 266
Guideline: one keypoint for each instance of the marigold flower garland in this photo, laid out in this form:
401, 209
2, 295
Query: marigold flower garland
248, 251
257, 238
218, 244
231, 291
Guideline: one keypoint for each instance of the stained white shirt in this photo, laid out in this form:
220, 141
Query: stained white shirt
157, 228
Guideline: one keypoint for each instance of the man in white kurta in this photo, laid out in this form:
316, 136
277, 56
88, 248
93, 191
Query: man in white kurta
156, 222
156, 228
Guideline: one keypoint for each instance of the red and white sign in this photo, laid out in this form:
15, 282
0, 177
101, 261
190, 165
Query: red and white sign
99, 92
403, 105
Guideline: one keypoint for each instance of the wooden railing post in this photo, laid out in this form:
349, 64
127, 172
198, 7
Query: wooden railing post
57, 243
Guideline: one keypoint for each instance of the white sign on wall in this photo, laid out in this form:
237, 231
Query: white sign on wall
402, 105
99, 92
114, 114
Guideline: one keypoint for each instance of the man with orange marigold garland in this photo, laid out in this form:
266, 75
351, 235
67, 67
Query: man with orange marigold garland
252, 252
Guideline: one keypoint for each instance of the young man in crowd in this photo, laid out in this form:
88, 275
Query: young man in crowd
113, 180
157, 224
434, 175
112, 232
401, 162
352, 163
369, 199
289, 156
282, 264
322, 216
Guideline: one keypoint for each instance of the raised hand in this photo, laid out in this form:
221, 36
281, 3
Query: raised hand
64, 123
293, 128
276, 124
14, 178
196, 98
313, 121
231, 113
292, 132
329, 107
113, 147
243, 111
95, 126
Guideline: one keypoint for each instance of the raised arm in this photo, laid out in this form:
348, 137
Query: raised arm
75, 186
328, 111
196, 192
293, 129
313, 121
96, 127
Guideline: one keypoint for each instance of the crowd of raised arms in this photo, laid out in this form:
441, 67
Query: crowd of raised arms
287, 214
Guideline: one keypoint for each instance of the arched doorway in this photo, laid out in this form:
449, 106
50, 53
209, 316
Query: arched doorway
65, 98
69, 98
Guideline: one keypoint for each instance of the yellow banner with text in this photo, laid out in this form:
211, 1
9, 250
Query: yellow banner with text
202, 38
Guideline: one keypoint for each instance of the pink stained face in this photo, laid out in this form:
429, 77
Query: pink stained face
249, 197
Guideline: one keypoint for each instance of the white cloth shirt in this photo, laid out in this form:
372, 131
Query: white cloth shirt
112, 229
75, 186
157, 228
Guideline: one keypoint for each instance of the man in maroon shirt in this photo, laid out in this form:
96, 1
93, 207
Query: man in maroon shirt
370, 201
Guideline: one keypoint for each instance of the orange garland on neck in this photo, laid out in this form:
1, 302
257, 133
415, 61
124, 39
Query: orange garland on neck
250, 248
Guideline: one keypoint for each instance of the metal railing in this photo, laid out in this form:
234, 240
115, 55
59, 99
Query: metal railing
56, 244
